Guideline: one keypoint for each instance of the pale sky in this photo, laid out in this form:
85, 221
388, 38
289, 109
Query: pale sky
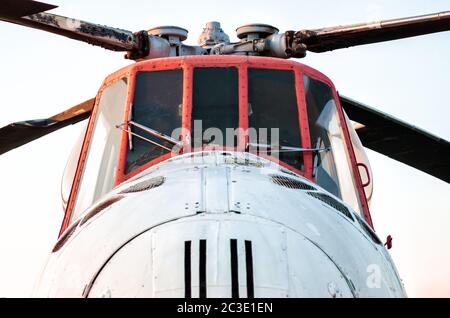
43, 74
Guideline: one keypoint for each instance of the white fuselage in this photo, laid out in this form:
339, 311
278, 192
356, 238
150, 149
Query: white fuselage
219, 224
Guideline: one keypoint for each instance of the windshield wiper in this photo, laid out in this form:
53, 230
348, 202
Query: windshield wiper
316, 157
270, 148
177, 144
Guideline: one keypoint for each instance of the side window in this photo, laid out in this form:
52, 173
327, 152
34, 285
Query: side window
71, 166
215, 106
273, 113
361, 157
157, 105
322, 118
332, 165
100, 167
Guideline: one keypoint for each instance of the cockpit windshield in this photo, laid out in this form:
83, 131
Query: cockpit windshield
179, 108
273, 116
157, 104
215, 107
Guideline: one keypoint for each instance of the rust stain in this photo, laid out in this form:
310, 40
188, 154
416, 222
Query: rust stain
45, 18
97, 209
65, 237
145, 185
100, 207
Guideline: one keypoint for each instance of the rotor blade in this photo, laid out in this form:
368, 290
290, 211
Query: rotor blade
19, 8
100, 35
339, 37
18, 134
399, 140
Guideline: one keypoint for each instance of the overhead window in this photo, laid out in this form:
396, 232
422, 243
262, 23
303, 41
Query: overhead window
157, 106
273, 115
215, 107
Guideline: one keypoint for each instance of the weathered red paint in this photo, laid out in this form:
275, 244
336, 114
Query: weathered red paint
304, 124
243, 107
124, 137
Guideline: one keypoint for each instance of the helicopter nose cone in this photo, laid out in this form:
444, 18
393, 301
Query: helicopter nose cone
220, 256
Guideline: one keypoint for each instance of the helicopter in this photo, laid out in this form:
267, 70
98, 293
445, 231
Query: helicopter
249, 163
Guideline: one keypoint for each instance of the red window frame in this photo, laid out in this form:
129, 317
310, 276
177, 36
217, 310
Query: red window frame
242, 63
242, 99
120, 174
277, 64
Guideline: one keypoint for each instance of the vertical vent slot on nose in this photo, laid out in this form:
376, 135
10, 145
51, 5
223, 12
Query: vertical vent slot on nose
291, 183
234, 269
332, 203
249, 265
202, 269
187, 269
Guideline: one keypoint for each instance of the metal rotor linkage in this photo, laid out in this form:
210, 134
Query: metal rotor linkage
255, 39
264, 40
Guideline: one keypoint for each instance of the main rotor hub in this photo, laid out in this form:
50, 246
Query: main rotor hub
174, 34
255, 31
212, 34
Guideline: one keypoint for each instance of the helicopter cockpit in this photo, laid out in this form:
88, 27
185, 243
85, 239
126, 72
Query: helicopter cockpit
238, 96
280, 110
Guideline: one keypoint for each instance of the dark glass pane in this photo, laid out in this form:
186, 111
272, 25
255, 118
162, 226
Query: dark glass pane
215, 102
273, 105
322, 121
157, 105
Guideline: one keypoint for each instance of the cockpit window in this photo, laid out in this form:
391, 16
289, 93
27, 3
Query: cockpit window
215, 107
331, 167
273, 114
99, 171
322, 124
157, 105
